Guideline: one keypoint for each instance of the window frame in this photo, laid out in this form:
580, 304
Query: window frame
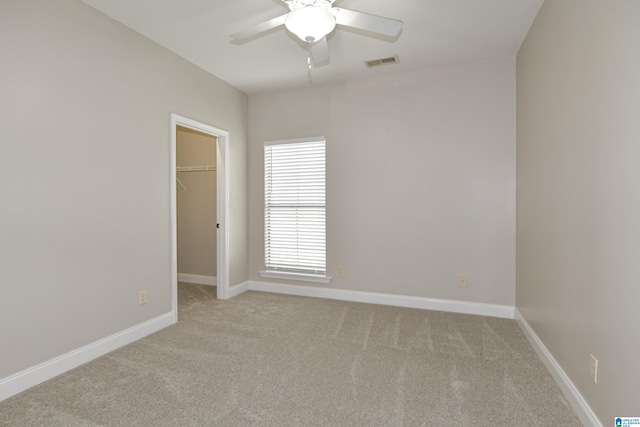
286, 273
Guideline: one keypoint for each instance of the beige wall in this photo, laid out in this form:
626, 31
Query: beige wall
85, 165
196, 203
578, 233
420, 178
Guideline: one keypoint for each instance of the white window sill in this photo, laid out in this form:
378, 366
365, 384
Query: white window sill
296, 276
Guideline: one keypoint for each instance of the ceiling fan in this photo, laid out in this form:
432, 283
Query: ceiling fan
313, 20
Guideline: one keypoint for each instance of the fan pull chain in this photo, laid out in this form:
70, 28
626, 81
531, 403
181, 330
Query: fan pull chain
309, 64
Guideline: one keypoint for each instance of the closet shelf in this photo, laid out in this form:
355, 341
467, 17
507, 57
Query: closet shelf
195, 168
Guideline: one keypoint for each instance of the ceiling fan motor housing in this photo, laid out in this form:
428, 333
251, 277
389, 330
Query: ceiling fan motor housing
297, 4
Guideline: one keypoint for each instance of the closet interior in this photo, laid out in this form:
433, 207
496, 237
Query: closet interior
196, 206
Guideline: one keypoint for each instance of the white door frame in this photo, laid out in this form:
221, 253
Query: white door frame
222, 211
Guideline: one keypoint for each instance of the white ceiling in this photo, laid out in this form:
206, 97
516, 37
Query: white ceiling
435, 32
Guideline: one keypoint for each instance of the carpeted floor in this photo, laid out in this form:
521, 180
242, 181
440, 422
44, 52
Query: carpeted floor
267, 359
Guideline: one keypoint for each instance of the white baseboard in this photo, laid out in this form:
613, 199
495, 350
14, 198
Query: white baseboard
30, 377
197, 279
238, 289
452, 306
579, 405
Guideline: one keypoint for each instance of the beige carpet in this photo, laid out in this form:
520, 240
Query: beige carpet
267, 359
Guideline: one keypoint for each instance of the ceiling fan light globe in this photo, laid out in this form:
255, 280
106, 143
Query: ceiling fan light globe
310, 23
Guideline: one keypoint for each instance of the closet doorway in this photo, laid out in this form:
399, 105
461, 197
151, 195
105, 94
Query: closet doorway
199, 206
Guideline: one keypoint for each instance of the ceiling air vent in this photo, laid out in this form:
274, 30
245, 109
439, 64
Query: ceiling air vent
382, 61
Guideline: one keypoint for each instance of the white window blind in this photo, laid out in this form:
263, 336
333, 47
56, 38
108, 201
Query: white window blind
294, 195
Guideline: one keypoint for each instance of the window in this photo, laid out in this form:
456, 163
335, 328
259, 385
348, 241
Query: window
295, 210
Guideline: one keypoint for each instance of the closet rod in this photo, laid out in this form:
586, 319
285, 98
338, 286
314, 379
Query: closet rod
195, 168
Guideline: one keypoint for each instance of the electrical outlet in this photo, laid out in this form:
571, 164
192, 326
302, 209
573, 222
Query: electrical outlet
594, 369
462, 281
142, 297
340, 271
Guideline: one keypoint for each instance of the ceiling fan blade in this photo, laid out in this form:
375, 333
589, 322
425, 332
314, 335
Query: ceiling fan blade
260, 28
364, 21
320, 52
